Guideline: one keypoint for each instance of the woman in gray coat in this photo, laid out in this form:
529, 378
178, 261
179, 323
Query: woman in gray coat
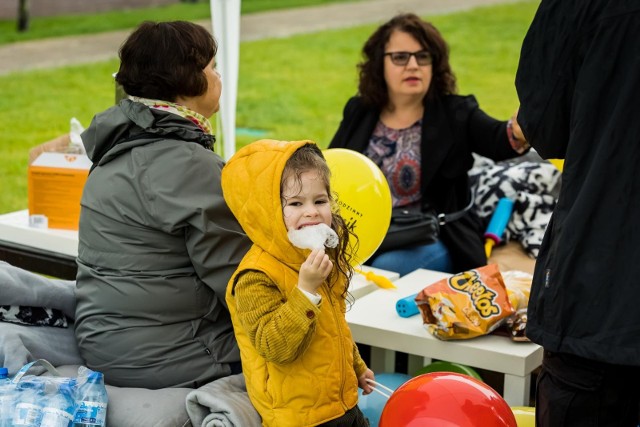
157, 241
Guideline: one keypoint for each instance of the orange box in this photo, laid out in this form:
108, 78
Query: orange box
55, 182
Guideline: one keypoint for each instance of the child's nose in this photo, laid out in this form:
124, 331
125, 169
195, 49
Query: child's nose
311, 211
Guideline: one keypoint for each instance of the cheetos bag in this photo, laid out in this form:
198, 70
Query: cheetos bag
465, 305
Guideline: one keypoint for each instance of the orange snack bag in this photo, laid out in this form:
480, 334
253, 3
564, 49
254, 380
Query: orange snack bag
465, 305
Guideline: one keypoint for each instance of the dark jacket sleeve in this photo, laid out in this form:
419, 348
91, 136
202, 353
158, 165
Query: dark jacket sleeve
463, 129
488, 136
481, 133
545, 77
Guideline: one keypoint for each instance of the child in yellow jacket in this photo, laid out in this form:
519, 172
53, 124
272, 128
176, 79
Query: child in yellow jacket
287, 304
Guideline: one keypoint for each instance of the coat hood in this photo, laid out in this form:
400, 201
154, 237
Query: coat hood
251, 188
103, 139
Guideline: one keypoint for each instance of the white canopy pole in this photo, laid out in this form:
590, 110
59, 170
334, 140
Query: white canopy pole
225, 21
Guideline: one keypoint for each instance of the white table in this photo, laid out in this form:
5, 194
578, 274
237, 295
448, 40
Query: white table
374, 321
43, 250
14, 227
360, 286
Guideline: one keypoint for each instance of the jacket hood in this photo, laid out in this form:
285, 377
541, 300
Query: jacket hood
124, 121
251, 188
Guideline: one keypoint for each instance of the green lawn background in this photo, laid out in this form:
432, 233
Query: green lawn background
293, 88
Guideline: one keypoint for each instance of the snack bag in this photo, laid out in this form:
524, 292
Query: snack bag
465, 305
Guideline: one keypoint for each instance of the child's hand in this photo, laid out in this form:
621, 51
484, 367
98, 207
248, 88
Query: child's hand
366, 386
314, 270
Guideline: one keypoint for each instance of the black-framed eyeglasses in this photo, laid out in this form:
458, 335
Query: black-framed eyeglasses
423, 57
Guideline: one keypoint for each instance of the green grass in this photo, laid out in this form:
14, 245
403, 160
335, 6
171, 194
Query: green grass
56, 26
293, 88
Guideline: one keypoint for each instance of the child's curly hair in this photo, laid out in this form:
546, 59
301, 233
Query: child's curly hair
309, 158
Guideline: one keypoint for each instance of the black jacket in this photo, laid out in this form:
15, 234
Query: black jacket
452, 128
579, 81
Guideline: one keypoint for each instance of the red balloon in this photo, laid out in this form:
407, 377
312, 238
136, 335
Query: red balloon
446, 399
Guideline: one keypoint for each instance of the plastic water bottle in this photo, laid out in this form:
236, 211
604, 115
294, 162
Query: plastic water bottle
91, 402
7, 396
58, 408
28, 408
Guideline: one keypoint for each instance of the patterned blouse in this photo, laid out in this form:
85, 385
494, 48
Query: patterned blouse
397, 154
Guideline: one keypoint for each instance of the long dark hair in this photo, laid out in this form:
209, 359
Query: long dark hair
373, 87
309, 158
164, 60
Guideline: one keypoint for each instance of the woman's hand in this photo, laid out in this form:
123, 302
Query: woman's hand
314, 270
515, 127
366, 386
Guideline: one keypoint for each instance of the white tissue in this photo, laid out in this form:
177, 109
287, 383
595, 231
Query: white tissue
314, 237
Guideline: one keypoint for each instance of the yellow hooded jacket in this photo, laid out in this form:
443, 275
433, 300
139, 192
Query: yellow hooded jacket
299, 360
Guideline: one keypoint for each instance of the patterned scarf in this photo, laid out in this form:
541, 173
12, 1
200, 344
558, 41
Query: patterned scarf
182, 111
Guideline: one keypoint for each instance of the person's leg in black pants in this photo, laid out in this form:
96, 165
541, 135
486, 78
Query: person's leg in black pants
574, 391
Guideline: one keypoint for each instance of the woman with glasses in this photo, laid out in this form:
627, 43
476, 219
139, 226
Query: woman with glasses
409, 120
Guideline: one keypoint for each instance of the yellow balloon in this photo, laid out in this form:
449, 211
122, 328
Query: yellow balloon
363, 197
558, 163
525, 415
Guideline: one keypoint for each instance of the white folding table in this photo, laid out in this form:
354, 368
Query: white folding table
374, 321
42, 250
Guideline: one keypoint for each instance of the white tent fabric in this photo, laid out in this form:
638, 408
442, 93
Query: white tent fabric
225, 21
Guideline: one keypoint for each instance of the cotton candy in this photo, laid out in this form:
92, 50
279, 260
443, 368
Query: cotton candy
314, 237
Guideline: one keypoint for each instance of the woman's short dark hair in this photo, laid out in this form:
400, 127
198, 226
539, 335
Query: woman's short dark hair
372, 86
164, 60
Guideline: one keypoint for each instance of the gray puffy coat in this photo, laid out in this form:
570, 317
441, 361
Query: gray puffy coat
157, 248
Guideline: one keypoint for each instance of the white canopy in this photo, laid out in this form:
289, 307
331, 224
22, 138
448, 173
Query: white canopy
225, 21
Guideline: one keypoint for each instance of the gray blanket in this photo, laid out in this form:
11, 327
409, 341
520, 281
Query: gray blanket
21, 344
207, 409
21, 287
